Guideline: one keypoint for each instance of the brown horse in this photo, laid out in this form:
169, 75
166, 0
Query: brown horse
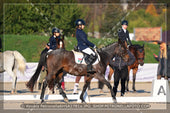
62, 60
42, 61
60, 43
139, 53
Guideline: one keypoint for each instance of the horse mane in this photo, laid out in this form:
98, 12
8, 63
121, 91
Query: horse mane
137, 46
107, 46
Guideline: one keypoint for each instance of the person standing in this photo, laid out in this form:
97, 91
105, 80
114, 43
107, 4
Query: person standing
162, 58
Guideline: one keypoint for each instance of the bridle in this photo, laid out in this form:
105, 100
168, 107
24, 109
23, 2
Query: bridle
140, 50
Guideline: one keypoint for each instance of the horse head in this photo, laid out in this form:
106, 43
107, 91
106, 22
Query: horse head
60, 42
140, 54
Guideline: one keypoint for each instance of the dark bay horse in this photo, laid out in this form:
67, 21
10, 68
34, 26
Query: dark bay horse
139, 53
42, 61
62, 60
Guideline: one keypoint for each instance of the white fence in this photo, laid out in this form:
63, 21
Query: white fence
145, 73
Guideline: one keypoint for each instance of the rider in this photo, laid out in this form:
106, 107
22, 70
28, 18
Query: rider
123, 33
84, 44
52, 40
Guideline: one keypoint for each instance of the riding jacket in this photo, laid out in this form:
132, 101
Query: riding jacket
120, 63
82, 40
53, 42
124, 36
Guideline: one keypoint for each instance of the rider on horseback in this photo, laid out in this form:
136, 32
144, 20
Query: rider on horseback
52, 41
124, 33
84, 44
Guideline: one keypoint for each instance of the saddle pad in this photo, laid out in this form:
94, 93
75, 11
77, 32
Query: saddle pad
80, 60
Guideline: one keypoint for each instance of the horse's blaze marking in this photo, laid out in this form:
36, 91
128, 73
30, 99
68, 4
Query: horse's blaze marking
61, 44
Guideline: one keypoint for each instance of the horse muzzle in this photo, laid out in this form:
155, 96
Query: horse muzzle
141, 63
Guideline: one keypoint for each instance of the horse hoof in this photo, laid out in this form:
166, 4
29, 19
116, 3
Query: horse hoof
66, 100
101, 91
134, 90
42, 101
83, 102
53, 92
12, 92
114, 101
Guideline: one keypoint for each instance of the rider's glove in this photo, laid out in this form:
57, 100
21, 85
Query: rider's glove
94, 47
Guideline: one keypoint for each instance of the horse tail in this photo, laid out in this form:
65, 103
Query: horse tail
30, 84
21, 62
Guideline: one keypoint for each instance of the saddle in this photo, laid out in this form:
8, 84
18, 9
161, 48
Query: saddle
83, 58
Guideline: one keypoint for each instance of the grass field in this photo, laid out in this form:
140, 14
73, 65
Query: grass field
30, 46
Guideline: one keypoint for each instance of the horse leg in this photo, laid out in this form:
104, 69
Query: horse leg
110, 74
127, 83
43, 90
59, 81
11, 73
104, 81
127, 80
100, 86
134, 78
62, 92
15, 81
85, 87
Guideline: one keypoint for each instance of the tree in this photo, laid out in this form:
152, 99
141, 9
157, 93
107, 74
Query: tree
112, 20
151, 10
40, 18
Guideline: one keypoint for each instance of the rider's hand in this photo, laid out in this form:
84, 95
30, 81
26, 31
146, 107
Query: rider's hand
94, 47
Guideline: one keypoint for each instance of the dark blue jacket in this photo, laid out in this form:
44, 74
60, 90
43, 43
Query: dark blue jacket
82, 40
53, 42
124, 36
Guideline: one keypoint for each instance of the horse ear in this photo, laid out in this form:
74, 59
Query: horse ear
119, 41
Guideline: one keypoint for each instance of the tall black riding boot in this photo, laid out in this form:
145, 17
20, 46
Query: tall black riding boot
92, 59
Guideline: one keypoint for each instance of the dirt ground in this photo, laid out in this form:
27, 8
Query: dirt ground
143, 89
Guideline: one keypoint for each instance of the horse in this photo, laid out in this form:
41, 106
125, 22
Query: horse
139, 53
62, 60
11, 62
43, 55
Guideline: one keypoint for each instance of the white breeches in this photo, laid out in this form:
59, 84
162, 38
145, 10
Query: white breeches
88, 51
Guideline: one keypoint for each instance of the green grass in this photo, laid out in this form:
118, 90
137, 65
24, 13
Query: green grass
30, 46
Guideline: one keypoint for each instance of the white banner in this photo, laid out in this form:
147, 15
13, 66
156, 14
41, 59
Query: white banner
146, 73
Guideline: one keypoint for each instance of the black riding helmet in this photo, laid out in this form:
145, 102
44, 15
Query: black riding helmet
125, 22
80, 22
55, 30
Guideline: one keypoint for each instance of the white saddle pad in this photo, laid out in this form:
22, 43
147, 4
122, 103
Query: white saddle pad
80, 60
